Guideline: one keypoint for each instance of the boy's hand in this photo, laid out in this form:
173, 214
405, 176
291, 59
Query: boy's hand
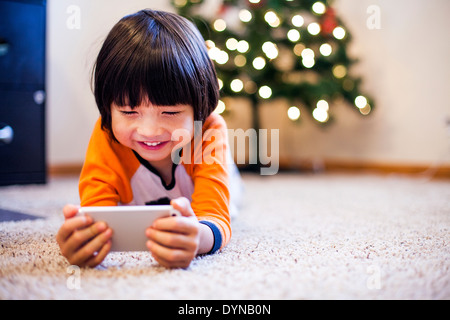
174, 242
82, 242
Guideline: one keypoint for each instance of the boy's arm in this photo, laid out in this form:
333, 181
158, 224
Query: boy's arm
206, 239
210, 200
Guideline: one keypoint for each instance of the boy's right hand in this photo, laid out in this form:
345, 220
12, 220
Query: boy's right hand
83, 242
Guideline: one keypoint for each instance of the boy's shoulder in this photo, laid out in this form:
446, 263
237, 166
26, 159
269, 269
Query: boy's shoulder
102, 146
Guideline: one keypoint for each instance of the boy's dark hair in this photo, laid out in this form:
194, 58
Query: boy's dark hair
154, 55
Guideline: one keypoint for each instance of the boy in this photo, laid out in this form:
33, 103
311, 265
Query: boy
153, 80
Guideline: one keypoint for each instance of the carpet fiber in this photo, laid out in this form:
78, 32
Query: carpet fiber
297, 237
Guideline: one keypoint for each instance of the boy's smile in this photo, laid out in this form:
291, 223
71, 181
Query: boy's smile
153, 146
147, 129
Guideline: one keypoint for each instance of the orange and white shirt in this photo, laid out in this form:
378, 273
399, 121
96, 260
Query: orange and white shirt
113, 175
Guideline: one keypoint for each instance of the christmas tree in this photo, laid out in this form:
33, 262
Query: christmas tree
265, 49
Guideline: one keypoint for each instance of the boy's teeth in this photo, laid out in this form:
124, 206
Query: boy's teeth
152, 144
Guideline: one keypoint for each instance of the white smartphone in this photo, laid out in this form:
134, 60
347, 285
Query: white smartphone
129, 223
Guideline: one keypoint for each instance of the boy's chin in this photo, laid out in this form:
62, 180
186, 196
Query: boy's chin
155, 158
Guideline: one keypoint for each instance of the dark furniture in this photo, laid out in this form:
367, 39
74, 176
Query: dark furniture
22, 92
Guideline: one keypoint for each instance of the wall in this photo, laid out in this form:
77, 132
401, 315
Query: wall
404, 65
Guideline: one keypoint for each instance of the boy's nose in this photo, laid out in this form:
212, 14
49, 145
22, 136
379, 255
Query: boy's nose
149, 128
149, 131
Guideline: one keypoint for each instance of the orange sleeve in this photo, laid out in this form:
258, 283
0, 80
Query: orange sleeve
105, 177
209, 171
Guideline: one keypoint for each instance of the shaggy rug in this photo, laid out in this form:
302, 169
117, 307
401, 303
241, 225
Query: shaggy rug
298, 236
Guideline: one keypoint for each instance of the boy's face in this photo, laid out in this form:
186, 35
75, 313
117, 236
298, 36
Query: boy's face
147, 129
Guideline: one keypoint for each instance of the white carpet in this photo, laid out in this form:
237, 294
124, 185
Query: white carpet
298, 237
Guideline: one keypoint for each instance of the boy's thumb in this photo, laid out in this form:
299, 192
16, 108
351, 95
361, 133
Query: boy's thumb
183, 205
70, 211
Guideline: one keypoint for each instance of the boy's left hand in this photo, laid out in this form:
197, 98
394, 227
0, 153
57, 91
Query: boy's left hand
174, 241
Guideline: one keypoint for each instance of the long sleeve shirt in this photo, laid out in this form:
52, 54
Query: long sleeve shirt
113, 175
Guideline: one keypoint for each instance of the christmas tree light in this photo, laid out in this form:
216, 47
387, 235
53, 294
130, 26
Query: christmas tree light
319, 8
293, 35
245, 15
360, 102
265, 92
314, 28
220, 107
293, 113
325, 49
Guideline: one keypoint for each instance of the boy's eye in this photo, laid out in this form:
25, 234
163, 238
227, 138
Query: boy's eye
171, 113
127, 113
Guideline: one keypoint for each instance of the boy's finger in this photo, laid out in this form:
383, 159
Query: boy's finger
170, 239
101, 255
71, 225
81, 236
70, 211
170, 258
183, 205
182, 225
87, 252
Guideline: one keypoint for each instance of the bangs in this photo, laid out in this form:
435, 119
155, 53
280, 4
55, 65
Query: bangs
154, 70
155, 57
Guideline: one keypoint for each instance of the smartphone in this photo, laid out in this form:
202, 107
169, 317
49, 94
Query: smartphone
129, 223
